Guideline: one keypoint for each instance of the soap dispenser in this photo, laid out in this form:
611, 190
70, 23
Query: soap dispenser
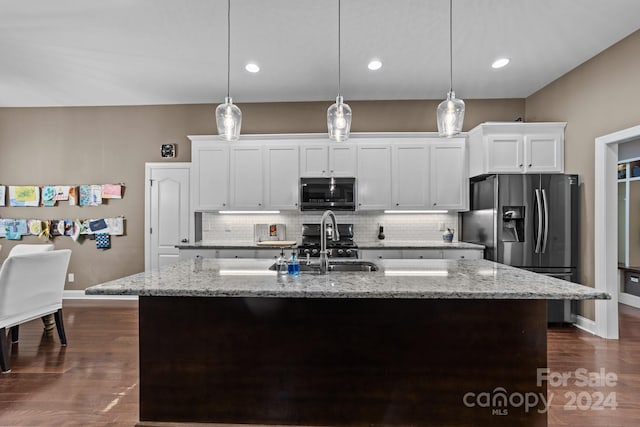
380, 232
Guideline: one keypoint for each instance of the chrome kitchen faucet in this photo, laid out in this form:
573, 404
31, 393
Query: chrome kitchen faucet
335, 235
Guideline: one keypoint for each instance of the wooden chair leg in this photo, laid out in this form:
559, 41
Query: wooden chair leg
4, 351
60, 326
15, 331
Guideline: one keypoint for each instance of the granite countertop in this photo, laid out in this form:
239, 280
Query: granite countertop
225, 244
416, 244
377, 244
427, 279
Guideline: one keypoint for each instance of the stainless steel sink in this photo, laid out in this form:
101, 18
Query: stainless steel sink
357, 265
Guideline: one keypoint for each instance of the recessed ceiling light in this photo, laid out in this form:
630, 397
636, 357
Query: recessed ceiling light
500, 62
252, 68
374, 65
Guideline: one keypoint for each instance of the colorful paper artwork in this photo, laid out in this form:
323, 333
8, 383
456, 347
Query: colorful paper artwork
14, 229
73, 200
97, 225
115, 225
112, 191
90, 195
3, 190
35, 226
24, 195
48, 196
85, 195
62, 192
103, 241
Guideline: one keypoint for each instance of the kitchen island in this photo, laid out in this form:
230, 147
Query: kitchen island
420, 342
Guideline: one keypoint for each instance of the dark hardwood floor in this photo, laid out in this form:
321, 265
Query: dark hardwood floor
94, 381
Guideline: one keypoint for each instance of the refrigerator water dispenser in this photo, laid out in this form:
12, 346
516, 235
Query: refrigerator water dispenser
513, 218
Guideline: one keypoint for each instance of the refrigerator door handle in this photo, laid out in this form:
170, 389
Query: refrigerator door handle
546, 220
539, 236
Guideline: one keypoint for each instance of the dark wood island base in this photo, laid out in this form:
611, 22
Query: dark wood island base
298, 361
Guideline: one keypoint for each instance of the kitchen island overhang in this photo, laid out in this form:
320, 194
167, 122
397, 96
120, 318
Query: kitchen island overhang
423, 342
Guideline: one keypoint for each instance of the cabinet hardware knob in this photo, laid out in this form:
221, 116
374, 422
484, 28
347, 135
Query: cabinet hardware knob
529, 164
435, 204
184, 241
521, 165
331, 171
397, 204
224, 204
359, 204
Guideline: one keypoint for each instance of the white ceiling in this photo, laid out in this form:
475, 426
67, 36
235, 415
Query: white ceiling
137, 52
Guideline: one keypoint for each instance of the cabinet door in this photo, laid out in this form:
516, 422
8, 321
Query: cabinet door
236, 253
374, 177
374, 254
462, 254
543, 153
421, 254
448, 176
281, 177
246, 177
410, 176
209, 177
314, 160
342, 160
505, 153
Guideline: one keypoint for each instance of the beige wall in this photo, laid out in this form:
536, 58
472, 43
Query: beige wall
599, 97
41, 146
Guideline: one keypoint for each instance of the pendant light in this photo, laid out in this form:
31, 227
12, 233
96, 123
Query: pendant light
228, 115
339, 114
451, 110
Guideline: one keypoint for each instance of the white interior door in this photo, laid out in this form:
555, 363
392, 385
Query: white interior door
166, 212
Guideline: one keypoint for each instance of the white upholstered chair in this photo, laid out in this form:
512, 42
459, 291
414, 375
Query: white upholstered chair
31, 286
23, 248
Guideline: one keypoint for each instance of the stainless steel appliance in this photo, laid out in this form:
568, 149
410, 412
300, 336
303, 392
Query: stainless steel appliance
344, 247
528, 221
338, 194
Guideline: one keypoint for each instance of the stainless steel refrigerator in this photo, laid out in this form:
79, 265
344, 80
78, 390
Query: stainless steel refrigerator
528, 221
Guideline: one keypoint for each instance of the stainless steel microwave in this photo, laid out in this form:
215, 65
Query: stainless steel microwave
337, 194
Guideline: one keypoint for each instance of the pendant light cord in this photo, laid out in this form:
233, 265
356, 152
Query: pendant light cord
228, 47
450, 45
339, 53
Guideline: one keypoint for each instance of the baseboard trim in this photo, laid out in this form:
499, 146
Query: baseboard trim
585, 324
78, 294
629, 299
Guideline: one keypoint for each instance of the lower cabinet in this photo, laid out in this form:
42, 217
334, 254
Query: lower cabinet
374, 254
463, 254
228, 253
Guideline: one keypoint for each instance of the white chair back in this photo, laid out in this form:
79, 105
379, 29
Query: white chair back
24, 248
31, 285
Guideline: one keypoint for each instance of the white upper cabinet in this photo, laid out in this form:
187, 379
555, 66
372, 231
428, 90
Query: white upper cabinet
447, 175
209, 175
505, 153
544, 152
392, 171
342, 160
246, 177
314, 160
410, 175
328, 159
281, 176
516, 148
374, 176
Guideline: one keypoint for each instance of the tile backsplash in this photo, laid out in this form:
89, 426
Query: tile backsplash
399, 227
